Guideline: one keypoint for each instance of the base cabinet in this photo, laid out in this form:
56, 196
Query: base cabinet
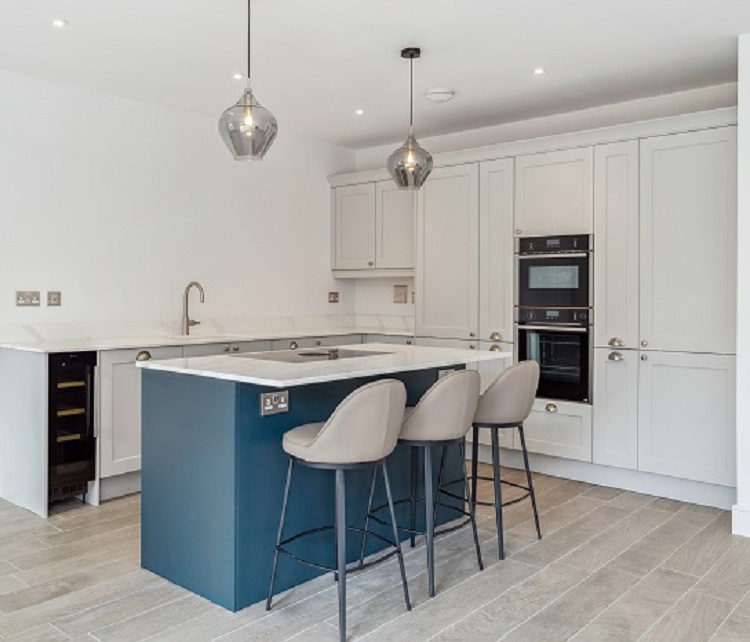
560, 429
120, 407
615, 408
211, 349
489, 371
686, 416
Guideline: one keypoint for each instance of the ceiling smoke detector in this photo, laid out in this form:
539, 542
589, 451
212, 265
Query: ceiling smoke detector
440, 95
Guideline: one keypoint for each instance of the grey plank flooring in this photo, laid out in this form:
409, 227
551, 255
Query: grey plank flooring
612, 566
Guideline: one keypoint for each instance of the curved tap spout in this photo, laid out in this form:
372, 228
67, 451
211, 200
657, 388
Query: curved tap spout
187, 322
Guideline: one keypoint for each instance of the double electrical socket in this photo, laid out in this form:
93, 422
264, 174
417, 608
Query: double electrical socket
272, 403
400, 293
32, 298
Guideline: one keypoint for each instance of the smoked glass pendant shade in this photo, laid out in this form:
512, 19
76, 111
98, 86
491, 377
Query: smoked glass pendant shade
247, 128
410, 164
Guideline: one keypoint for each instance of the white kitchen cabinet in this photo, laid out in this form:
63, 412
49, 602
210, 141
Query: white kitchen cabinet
496, 250
686, 416
616, 245
489, 371
337, 340
354, 227
559, 428
120, 407
447, 272
688, 247
209, 349
389, 338
293, 344
394, 223
554, 193
373, 228
615, 408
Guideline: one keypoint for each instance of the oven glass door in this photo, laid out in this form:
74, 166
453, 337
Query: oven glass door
560, 282
563, 358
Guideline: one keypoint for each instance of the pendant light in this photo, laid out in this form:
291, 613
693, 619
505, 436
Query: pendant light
247, 128
411, 164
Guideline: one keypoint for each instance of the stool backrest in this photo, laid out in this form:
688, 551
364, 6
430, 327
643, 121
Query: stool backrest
510, 397
365, 425
446, 410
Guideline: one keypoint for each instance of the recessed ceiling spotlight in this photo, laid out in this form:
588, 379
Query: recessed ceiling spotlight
238, 76
59, 23
359, 112
539, 71
440, 95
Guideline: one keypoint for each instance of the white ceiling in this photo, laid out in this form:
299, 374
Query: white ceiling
315, 62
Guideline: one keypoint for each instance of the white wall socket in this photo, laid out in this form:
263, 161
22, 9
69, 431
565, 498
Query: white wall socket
54, 298
400, 293
27, 298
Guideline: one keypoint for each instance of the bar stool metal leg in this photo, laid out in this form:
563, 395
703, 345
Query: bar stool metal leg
470, 502
436, 502
528, 479
414, 490
281, 530
430, 520
367, 518
498, 492
395, 536
341, 548
474, 464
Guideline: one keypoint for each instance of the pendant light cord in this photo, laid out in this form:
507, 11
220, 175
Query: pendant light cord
248, 43
411, 96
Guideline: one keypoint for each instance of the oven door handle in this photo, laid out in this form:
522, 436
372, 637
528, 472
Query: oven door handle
559, 255
553, 328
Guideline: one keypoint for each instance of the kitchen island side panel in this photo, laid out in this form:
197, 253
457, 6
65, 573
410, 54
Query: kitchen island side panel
188, 498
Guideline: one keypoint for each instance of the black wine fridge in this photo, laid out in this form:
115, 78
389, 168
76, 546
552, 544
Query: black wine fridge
72, 435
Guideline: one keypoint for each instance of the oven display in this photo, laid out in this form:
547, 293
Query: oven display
552, 314
553, 277
552, 243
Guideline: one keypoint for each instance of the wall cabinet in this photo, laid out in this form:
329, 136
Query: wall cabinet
373, 227
615, 409
559, 428
496, 250
447, 272
686, 416
688, 232
616, 245
554, 193
120, 407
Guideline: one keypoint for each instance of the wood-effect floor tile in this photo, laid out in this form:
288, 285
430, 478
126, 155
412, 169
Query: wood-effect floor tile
694, 618
604, 492
729, 578
44, 633
743, 608
704, 549
734, 629
638, 609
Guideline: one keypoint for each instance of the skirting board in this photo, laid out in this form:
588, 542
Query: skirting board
119, 486
660, 485
741, 520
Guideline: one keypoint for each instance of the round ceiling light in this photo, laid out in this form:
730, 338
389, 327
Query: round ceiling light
59, 23
359, 112
440, 95
539, 71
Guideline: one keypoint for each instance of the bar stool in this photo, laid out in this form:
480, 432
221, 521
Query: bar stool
361, 433
441, 418
506, 404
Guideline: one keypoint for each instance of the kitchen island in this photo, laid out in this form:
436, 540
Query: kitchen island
214, 469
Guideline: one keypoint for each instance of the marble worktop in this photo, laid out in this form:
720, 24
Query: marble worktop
278, 374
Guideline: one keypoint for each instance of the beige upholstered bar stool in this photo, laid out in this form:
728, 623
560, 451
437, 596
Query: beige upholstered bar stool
361, 432
506, 404
442, 417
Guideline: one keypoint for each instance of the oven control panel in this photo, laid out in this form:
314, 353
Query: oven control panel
554, 316
554, 244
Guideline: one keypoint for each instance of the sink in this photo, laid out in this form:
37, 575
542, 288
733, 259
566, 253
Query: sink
307, 356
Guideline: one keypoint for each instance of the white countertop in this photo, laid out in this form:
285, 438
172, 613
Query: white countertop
77, 344
277, 374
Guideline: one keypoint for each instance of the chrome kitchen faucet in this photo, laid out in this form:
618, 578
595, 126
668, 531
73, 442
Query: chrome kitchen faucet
187, 322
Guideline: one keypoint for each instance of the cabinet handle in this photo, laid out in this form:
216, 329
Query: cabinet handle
408, 342
644, 343
644, 357
496, 336
318, 342
615, 342
226, 348
550, 407
495, 348
472, 334
370, 263
518, 231
616, 356
235, 348
143, 355
471, 346
293, 345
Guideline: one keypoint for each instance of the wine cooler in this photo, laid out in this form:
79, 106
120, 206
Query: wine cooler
72, 437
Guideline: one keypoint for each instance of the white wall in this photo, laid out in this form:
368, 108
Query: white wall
120, 203
741, 512
683, 102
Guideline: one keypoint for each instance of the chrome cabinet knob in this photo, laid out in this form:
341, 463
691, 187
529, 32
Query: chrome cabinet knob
644, 357
616, 342
550, 407
408, 342
370, 263
318, 342
472, 334
143, 355
616, 356
644, 343
235, 348
495, 348
518, 231
496, 336
226, 348
293, 345
471, 346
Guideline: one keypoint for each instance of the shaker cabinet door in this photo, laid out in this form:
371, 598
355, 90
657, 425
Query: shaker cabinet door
394, 234
354, 227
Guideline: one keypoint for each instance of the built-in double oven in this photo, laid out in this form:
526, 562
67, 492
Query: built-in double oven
553, 313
